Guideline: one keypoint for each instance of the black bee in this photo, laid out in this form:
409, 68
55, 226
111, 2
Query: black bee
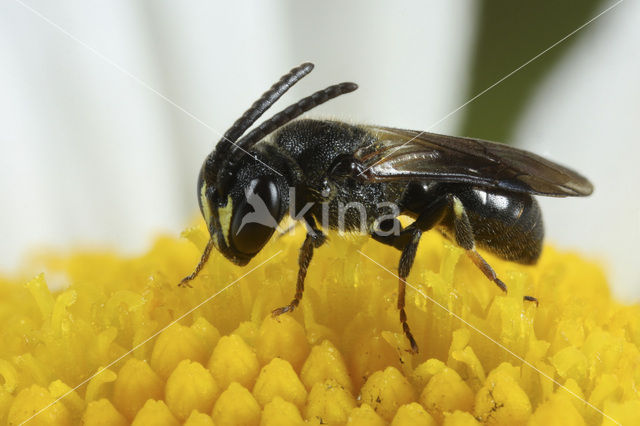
477, 193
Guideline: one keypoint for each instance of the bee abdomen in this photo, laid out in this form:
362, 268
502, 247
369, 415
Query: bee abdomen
508, 225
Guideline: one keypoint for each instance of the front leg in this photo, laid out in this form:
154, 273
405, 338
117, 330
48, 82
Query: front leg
314, 239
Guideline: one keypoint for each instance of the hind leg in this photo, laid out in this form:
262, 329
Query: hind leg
464, 238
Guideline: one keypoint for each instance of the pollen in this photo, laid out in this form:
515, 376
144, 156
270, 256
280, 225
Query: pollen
120, 343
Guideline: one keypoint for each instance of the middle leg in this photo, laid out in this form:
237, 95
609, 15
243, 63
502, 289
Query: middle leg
404, 267
407, 240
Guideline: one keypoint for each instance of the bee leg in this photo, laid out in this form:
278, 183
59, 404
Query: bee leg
205, 256
406, 240
404, 267
314, 239
464, 238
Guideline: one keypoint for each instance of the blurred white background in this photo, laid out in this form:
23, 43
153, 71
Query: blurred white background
107, 109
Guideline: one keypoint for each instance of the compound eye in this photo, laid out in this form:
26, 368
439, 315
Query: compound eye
256, 216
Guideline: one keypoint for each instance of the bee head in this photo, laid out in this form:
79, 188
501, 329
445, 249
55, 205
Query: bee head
242, 197
244, 215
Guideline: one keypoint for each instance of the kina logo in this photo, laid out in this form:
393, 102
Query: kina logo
260, 213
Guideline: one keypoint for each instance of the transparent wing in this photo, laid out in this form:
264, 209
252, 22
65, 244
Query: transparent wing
401, 155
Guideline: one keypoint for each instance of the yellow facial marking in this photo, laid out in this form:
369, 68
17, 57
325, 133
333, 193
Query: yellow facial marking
206, 208
458, 208
224, 215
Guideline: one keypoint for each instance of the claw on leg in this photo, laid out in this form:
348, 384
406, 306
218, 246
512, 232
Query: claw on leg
185, 282
284, 309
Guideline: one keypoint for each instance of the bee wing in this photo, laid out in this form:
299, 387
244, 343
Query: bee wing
402, 155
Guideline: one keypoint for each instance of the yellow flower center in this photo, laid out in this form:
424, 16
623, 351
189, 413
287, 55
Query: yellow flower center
123, 344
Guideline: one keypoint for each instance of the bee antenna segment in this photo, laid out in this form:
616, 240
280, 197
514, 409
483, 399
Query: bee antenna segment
257, 109
291, 112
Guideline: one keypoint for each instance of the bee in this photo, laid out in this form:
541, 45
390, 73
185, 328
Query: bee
479, 194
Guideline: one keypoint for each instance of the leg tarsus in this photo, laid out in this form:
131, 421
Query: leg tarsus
500, 284
485, 268
407, 332
284, 309
488, 271
185, 282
